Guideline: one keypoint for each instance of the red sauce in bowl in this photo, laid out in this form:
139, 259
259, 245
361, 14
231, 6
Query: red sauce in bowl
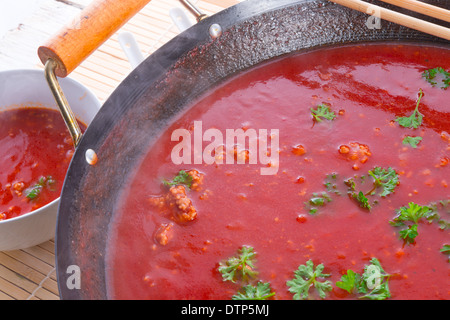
35, 152
169, 241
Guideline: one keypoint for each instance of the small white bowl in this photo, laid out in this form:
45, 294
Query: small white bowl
29, 87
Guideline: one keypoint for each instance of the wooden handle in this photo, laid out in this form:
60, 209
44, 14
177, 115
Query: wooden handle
77, 40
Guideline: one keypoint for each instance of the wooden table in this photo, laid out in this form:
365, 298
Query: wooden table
30, 273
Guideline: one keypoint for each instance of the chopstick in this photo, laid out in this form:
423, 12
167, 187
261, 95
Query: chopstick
421, 7
399, 18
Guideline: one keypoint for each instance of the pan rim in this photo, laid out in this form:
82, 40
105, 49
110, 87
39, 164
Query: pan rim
189, 41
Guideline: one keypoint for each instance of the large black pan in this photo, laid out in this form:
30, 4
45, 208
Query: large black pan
159, 90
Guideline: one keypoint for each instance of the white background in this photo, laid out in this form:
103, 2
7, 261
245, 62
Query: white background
12, 12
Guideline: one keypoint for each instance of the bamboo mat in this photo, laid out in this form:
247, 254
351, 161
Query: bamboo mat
29, 274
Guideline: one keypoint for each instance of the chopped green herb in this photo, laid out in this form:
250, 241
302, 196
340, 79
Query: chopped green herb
322, 111
239, 267
446, 250
362, 200
445, 205
261, 291
436, 208
372, 284
443, 225
330, 183
317, 200
434, 215
412, 141
409, 234
306, 277
443, 77
415, 119
384, 181
387, 179
34, 191
350, 182
349, 281
413, 213
182, 178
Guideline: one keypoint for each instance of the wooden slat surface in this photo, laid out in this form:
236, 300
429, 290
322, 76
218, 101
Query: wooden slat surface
30, 273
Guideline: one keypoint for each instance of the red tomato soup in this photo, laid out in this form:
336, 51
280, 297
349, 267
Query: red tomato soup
35, 151
353, 204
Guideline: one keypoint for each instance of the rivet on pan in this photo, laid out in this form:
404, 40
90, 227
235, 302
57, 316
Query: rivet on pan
215, 31
91, 157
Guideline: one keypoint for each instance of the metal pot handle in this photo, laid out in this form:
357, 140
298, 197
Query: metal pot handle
76, 41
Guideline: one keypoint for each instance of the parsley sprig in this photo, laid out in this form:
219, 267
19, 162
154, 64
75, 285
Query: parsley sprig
415, 119
362, 200
446, 250
412, 141
443, 80
372, 284
442, 206
409, 216
386, 179
317, 201
322, 111
240, 266
305, 278
260, 291
182, 178
349, 281
34, 191
375, 282
413, 213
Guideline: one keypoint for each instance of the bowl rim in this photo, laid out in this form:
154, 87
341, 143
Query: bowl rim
70, 81
27, 214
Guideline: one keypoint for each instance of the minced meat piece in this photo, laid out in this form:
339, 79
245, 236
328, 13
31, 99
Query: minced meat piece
158, 202
175, 204
164, 233
181, 205
197, 179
